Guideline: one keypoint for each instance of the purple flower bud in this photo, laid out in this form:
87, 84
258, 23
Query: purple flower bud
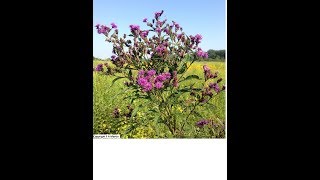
212, 85
157, 15
159, 23
219, 80
166, 30
97, 26
198, 38
158, 30
113, 25
202, 123
134, 27
206, 68
99, 67
145, 20
223, 87
113, 57
177, 25
144, 33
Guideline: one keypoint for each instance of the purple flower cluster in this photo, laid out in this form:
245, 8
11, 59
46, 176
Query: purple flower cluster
99, 67
208, 74
148, 79
176, 25
215, 87
113, 25
113, 58
167, 31
201, 53
102, 29
202, 123
198, 38
159, 23
134, 28
160, 49
144, 34
158, 14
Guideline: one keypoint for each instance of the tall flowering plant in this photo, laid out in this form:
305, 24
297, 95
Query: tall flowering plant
155, 61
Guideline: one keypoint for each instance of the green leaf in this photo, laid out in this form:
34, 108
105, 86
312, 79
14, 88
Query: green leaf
152, 110
116, 79
192, 77
183, 68
134, 112
197, 114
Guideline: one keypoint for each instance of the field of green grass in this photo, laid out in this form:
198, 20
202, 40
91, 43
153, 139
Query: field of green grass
106, 99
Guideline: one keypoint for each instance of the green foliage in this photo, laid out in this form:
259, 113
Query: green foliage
215, 55
146, 122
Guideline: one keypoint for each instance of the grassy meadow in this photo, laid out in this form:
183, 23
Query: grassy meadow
106, 98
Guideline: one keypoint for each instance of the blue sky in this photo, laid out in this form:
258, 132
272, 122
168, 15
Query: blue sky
205, 17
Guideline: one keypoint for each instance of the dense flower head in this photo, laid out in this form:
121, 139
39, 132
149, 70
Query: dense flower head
160, 49
201, 53
151, 72
142, 81
163, 77
198, 38
147, 87
99, 67
202, 123
160, 78
144, 33
145, 20
212, 85
215, 87
134, 28
113, 25
159, 85
103, 29
158, 14
148, 79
